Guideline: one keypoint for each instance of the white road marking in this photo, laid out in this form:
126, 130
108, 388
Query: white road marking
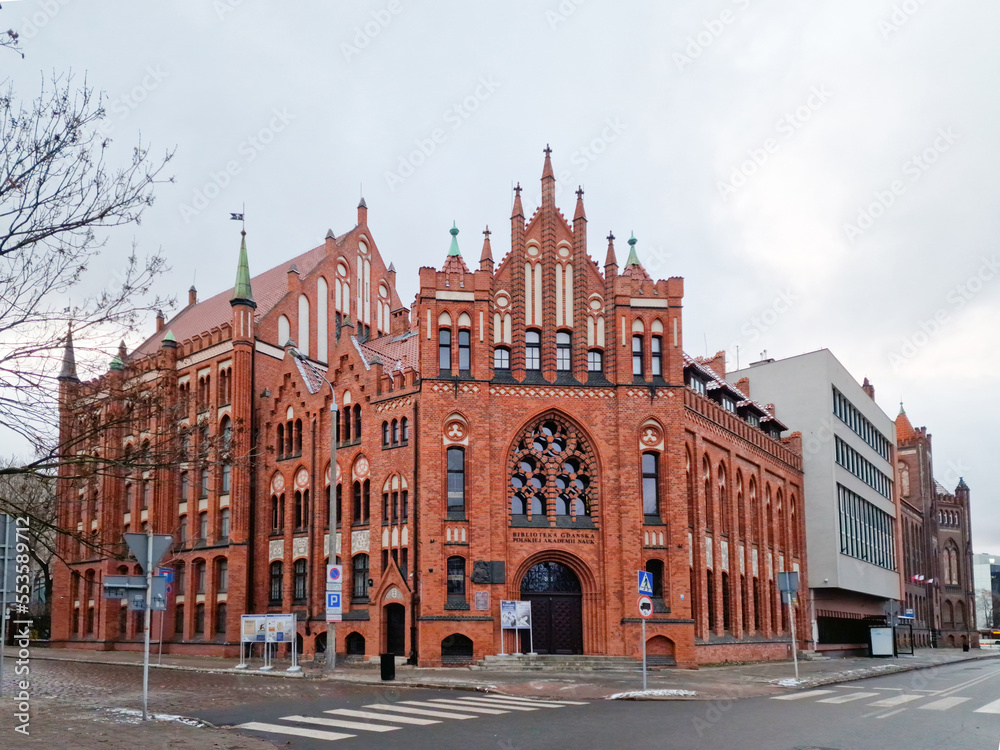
543, 700
796, 696
437, 703
358, 725
943, 704
891, 713
508, 706
418, 711
989, 708
895, 701
380, 717
846, 698
522, 701
259, 726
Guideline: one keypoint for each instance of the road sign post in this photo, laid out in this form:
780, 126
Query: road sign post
645, 612
788, 585
148, 549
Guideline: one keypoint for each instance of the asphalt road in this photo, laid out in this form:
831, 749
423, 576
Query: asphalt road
955, 707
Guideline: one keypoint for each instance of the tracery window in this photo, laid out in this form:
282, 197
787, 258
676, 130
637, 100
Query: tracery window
552, 472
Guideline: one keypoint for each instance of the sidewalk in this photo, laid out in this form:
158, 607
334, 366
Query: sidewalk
707, 683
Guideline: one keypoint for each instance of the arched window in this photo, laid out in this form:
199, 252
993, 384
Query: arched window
464, 349
297, 449
199, 577
904, 479
385, 434
740, 510
768, 537
444, 349
203, 526
224, 523
655, 568
395, 432
204, 482
689, 483
360, 567
227, 479
182, 530
301, 509
276, 590
456, 480
199, 619
275, 515
723, 505
651, 484
179, 621
357, 421
532, 350
404, 426
706, 470
595, 360
299, 580
366, 492
280, 441
357, 502
226, 431
564, 351
220, 618
221, 575
456, 579
501, 358
754, 511
637, 356
552, 453
656, 356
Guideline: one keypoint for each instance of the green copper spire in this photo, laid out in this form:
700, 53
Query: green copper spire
633, 259
242, 291
453, 250
116, 363
168, 337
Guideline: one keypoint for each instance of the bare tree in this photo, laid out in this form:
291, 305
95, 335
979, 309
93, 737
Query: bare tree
34, 496
60, 194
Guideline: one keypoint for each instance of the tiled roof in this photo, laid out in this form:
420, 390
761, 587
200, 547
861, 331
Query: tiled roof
939, 488
715, 382
268, 288
396, 352
904, 430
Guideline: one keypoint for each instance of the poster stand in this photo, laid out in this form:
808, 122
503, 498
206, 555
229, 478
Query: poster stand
516, 616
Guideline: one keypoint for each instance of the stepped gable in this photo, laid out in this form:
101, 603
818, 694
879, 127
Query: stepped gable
268, 288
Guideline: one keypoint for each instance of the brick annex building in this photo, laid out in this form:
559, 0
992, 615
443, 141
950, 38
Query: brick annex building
530, 429
937, 545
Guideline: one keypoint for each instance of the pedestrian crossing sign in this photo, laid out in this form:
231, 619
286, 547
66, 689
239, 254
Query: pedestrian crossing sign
645, 582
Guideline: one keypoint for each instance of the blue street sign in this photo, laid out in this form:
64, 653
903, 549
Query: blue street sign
333, 600
167, 573
645, 582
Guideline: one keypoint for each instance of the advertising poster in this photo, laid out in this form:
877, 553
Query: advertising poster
523, 616
252, 628
508, 614
280, 628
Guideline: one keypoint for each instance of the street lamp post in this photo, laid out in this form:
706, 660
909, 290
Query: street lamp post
331, 542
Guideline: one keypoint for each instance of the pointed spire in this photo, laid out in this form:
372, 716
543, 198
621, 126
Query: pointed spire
518, 210
633, 268
392, 268
242, 293
116, 363
453, 250
169, 339
611, 259
580, 213
361, 203
633, 258
122, 351
453, 263
547, 169
904, 428
487, 249
901, 409
68, 372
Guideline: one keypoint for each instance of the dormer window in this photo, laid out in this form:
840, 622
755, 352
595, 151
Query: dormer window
753, 419
728, 404
696, 384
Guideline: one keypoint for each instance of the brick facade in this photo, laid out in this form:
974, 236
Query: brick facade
533, 421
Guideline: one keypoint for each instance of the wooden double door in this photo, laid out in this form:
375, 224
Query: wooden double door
556, 610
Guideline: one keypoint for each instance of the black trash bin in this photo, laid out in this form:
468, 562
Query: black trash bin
388, 667
965, 646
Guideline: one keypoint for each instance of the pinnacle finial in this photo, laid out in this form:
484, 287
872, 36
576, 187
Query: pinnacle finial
68, 371
242, 292
453, 250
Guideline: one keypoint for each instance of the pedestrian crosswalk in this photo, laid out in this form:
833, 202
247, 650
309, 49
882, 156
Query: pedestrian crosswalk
889, 703
345, 723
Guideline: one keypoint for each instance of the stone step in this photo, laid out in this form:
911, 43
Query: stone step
558, 663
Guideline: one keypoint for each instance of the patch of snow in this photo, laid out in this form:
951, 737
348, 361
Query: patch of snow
134, 716
788, 682
639, 694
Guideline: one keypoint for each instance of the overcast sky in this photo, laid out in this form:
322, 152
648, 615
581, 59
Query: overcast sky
822, 174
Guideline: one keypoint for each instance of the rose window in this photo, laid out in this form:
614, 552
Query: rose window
552, 472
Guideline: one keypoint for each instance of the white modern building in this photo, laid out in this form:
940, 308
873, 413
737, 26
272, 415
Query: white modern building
851, 503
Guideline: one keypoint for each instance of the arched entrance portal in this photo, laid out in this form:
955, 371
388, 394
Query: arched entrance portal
556, 609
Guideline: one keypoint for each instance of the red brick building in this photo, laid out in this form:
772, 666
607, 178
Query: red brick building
530, 429
937, 545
